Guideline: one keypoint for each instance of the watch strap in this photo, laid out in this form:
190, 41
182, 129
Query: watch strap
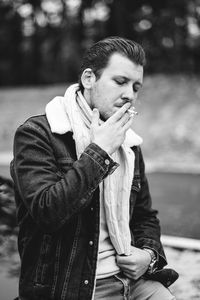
153, 263
151, 252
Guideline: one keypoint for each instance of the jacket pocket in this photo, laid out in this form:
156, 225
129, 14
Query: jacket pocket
22, 245
41, 275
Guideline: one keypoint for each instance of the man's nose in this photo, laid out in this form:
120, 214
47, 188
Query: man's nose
129, 95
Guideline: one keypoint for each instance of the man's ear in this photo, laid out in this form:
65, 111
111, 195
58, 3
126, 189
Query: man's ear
88, 78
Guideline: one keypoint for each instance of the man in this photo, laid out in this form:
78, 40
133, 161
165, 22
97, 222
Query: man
87, 228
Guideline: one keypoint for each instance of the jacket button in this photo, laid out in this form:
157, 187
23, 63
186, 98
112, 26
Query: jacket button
107, 162
92, 208
91, 243
86, 282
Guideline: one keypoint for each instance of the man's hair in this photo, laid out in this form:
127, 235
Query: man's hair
97, 56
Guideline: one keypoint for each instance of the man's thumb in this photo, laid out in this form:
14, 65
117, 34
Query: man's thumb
95, 117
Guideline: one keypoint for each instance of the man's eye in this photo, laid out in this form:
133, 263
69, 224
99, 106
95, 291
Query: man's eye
119, 82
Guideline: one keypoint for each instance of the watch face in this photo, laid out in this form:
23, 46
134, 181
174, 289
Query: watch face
153, 264
152, 267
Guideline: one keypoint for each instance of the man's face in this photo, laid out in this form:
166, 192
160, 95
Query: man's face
119, 83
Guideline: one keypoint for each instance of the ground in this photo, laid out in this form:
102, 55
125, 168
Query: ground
187, 264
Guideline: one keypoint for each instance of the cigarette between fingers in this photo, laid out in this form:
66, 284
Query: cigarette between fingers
132, 111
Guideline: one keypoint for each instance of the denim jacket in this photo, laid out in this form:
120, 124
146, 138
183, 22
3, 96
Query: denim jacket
57, 200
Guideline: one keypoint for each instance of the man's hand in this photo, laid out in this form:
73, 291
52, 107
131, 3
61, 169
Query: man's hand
111, 134
136, 264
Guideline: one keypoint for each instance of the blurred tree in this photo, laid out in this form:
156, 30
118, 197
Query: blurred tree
7, 207
10, 42
42, 41
8, 228
193, 34
158, 25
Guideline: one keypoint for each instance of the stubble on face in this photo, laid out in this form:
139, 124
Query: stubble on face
115, 85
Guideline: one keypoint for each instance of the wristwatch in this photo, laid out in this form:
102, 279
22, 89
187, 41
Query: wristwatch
153, 263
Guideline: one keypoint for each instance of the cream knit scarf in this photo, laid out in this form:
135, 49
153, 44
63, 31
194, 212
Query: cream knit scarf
72, 113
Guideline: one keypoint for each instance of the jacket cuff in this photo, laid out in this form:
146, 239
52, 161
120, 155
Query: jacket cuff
102, 158
156, 247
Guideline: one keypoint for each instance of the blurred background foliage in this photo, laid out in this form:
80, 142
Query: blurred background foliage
42, 41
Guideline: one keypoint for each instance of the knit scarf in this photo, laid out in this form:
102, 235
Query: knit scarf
72, 113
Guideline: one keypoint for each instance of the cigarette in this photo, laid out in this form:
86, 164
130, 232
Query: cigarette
132, 111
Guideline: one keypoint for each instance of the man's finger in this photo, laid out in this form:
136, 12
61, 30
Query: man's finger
124, 119
128, 124
124, 260
131, 276
120, 112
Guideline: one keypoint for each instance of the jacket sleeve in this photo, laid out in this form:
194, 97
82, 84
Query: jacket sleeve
52, 199
145, 225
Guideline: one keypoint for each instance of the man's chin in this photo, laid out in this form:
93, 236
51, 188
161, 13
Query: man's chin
103, 118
